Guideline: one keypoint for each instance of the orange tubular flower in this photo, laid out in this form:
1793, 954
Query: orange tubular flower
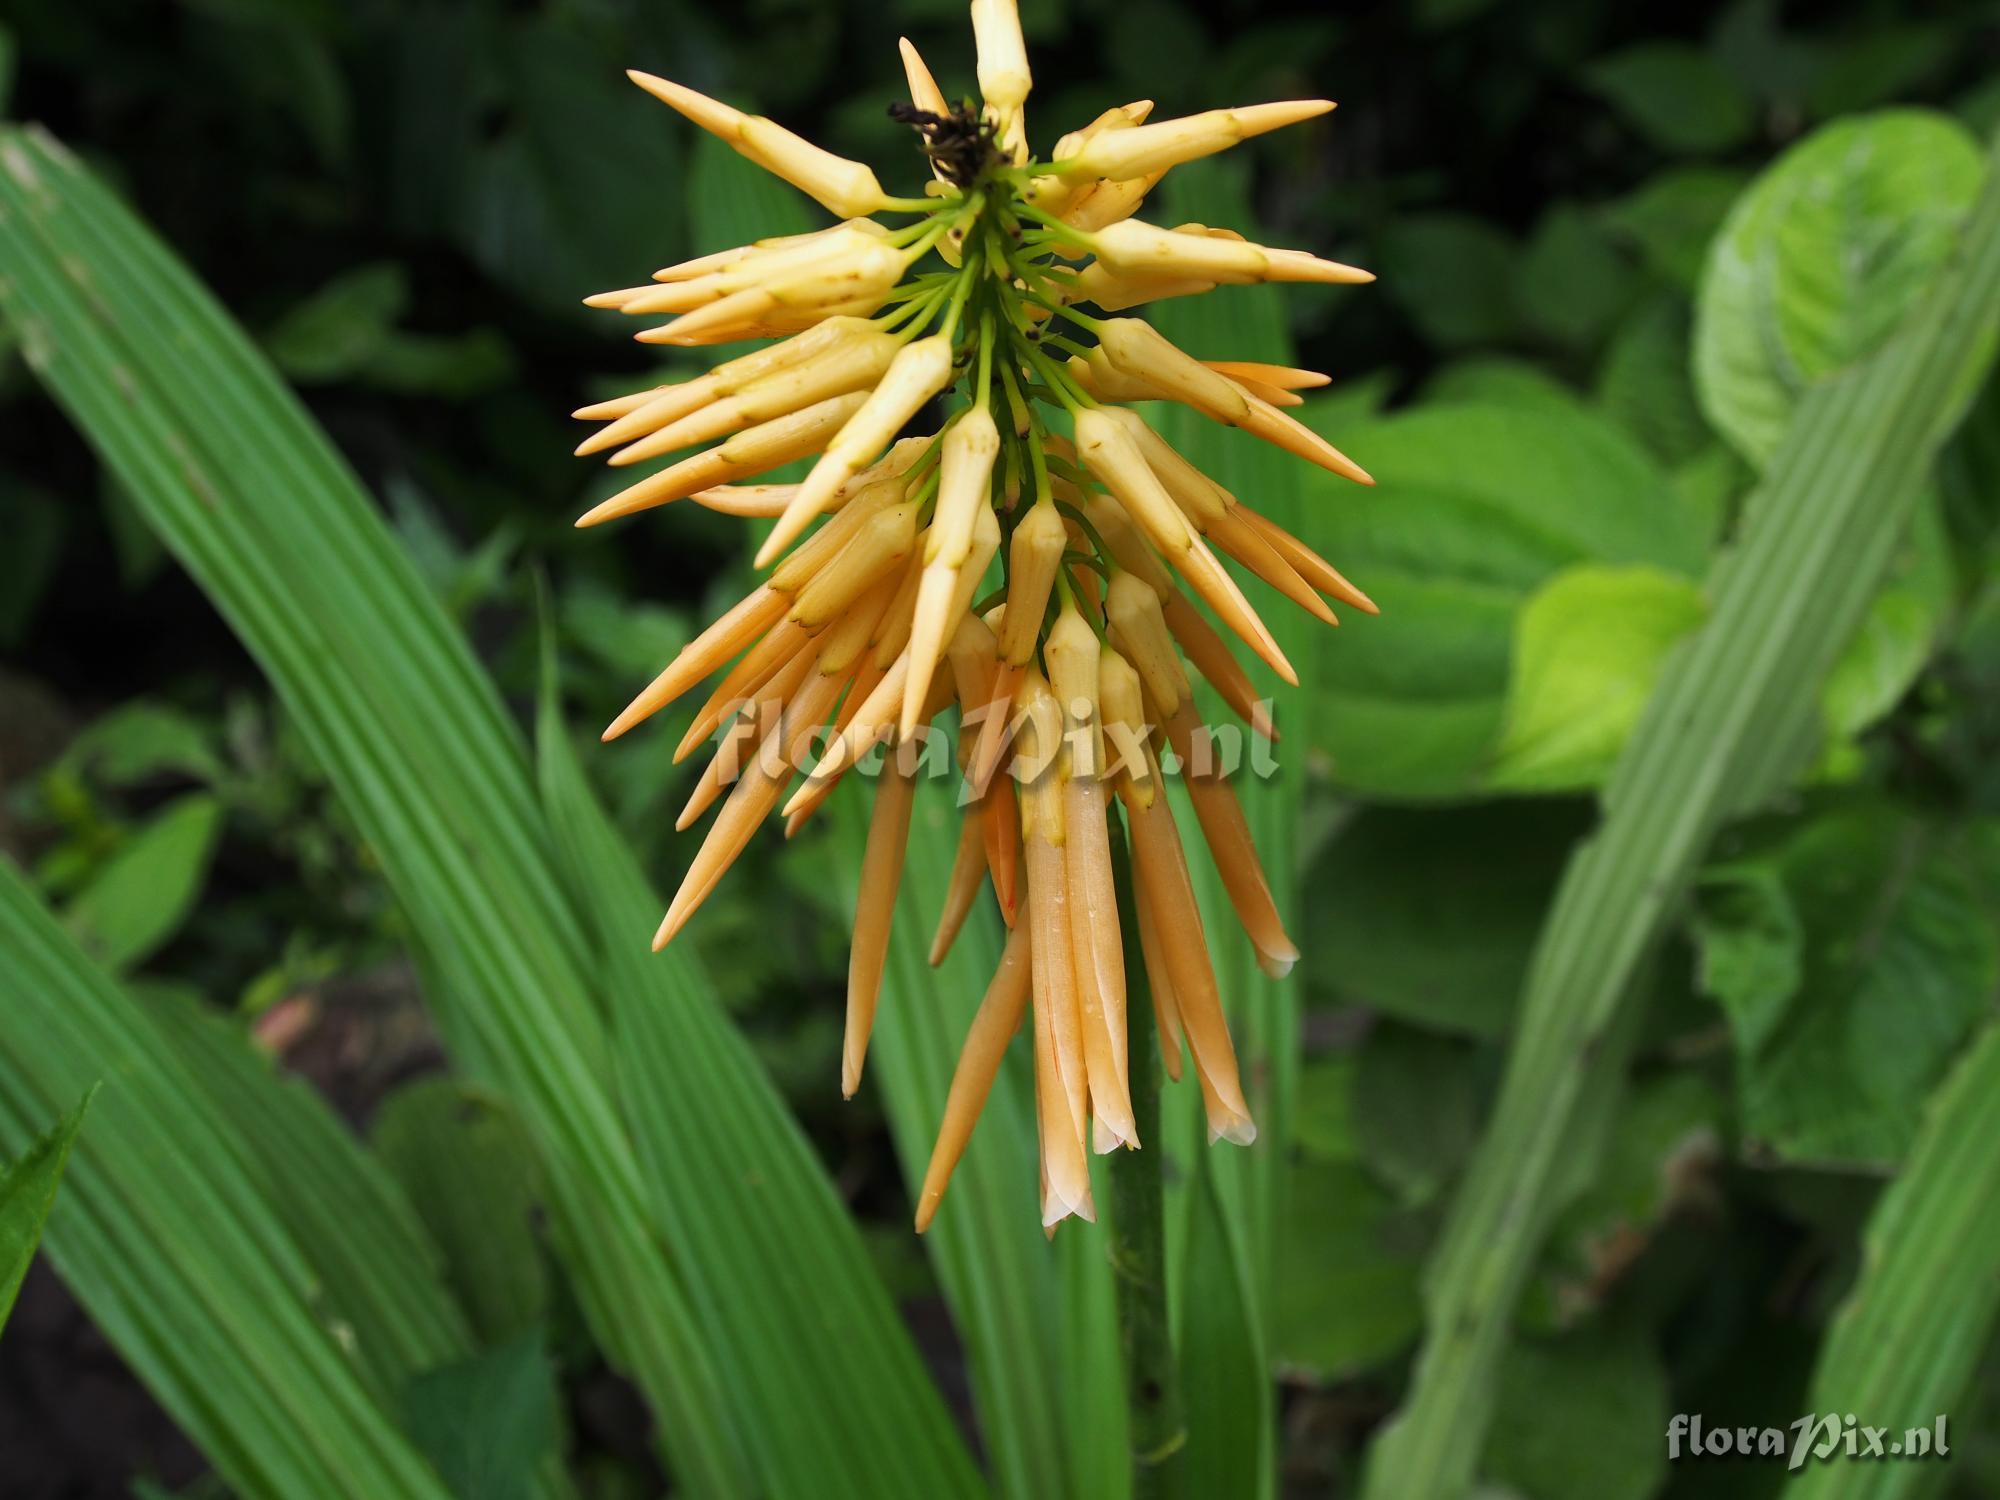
1033, 561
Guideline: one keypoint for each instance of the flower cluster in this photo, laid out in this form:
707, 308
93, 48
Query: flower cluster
1030, 563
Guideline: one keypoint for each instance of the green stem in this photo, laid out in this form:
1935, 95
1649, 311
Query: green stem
1138, 1235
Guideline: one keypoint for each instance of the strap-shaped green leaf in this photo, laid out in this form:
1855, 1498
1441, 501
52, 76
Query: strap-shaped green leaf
1004, 1282
229, 469
164, 1237
1732, 716
1907, 1340
27, 1192
800, 1326
376, 1270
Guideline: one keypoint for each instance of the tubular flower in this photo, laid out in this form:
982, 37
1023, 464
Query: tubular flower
1031, 564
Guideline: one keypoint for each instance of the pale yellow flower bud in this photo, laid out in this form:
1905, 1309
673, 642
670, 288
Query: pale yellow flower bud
1138, 349
755, 451
847, 277
815, 551
847, 637
1099, 960
1110, 453
1128, 549
965, 478
852, 364
1071, 653
1038, 756
917, 373
1115, 290
788, 258
1146, 149
943, 594
1135, 619
1104, 381
1004, 78
879, 547
846, 188
1133, 246
1033, 555
924, 92
1200, 498
1121, 703
1109, 203
892, 636
655, 409
703, 265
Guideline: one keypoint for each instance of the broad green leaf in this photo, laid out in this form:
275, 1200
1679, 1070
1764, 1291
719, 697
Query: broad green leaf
578, 187
1588, 648
421, 364
369, 670
1347, 1283
140, 740
1453, 275
1580, 1418
1671, 219
1676, 96
1728, 715
1489, 380
1896, 636
217, 1313
1905, 1343
488, 1422
1751, 947
1475, 508
1429, 916
1325, 1126
1571, 282
1821, 260
1417, 1101
1898, 956
468, 1169
342, 326
1643, 383
1225, 1372
139, 899
27, 1192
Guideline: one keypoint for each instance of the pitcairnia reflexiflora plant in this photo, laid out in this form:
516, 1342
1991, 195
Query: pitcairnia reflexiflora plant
1034, 562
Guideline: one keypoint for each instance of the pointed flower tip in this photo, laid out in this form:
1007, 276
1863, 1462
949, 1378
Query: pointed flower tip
1239, 1131
663, 89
